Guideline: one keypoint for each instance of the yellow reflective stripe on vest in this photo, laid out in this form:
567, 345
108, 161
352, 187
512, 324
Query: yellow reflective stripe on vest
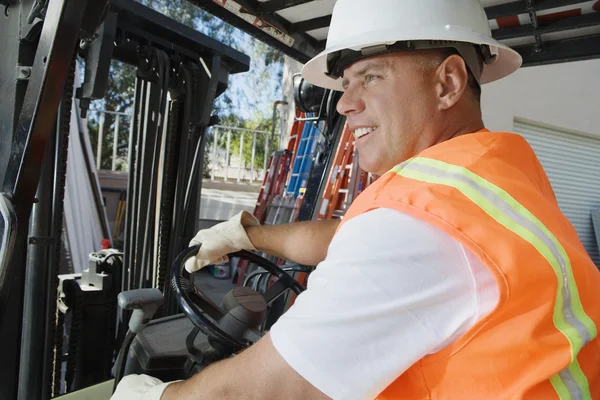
569, 316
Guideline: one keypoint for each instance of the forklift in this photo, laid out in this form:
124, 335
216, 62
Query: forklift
135, 309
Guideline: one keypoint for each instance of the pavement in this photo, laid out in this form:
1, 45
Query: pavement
220, 204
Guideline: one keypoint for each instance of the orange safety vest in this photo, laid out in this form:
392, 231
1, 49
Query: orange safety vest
489, 192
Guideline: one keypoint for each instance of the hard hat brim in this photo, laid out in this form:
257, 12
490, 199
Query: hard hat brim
507, 61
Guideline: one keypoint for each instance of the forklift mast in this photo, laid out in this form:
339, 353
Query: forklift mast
180, 73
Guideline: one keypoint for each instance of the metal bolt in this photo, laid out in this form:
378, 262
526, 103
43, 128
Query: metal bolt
25, 72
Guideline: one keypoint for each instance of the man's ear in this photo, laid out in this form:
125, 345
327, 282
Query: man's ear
451, 81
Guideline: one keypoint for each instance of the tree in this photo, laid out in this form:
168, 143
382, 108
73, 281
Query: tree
255, 124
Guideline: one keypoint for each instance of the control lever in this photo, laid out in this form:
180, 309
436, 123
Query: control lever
144, 303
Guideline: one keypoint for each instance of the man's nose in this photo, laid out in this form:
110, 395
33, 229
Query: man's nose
350, 103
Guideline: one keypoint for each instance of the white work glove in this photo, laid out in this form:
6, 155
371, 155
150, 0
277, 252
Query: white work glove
139, 387
220, 240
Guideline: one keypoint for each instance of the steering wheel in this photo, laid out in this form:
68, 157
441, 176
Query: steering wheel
235, 326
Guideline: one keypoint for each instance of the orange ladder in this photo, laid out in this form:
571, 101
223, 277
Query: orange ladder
346, 179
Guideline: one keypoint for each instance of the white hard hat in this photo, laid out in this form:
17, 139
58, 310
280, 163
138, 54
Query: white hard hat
370, 27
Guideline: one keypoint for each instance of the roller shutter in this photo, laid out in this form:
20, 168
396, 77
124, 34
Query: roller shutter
572, 162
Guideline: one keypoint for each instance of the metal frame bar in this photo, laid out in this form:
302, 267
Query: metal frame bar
129, 228
146, 182
535, 24
177, 220
202, 86
276, 5
312, 24
51, 367
44, 92
255, 7
38, 269
56, 47
154, 134
522, 7
566, 24
559, 51
305, 46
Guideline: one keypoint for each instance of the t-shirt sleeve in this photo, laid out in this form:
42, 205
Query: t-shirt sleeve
392, 290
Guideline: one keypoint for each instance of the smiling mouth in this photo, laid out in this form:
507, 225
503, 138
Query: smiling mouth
362, 132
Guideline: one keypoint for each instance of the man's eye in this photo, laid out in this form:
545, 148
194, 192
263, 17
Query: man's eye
370, 78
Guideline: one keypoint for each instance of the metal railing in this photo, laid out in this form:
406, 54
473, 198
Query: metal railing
119, 118
231, 164
228, 161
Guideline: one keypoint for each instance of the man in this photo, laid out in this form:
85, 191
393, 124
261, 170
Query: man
454, 276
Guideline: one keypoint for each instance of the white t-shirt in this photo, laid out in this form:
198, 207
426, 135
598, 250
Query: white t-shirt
392, 290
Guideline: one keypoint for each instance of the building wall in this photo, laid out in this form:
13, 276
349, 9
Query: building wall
562, 95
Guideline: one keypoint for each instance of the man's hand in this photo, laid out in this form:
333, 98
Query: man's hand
220, 240
139, 387
301, 242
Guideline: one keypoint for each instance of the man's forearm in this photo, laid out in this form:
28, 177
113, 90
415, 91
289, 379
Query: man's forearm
211, 383
301, 242
257, 373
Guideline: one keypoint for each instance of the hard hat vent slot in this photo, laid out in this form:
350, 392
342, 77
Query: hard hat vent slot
442, 42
